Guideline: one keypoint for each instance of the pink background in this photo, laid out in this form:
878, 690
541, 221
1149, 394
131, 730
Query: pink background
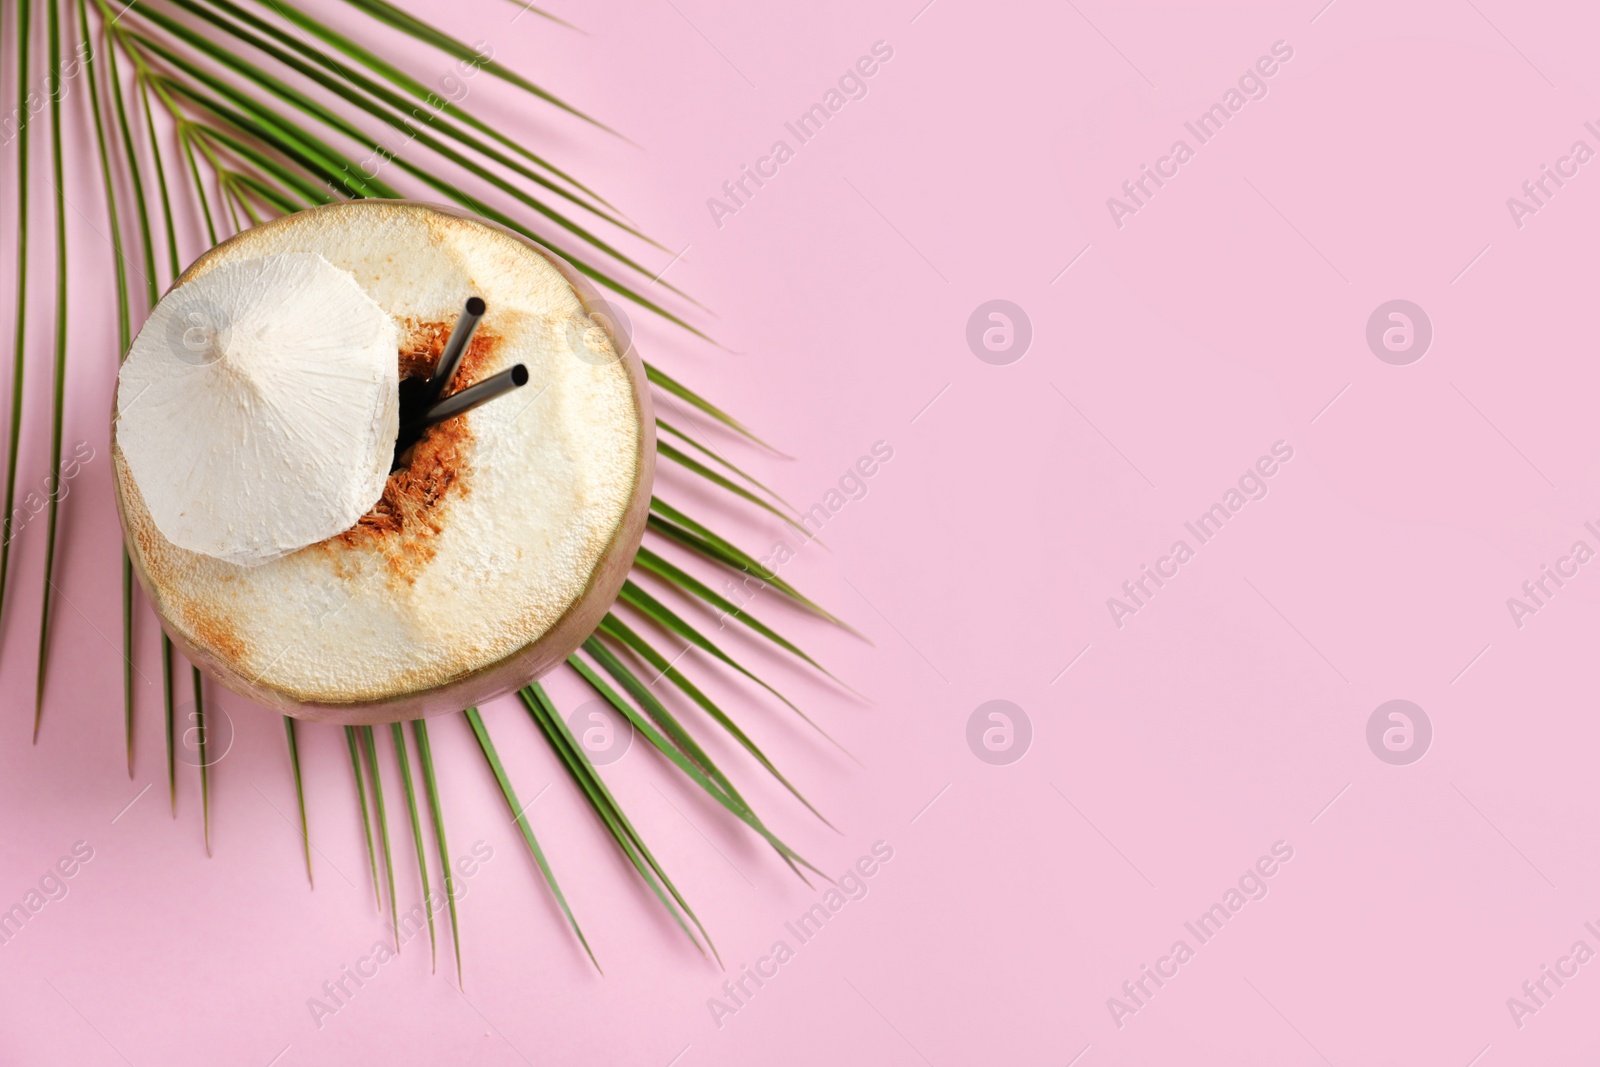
1230, 713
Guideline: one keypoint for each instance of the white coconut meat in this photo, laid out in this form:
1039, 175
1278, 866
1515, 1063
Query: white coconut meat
491, 555
258, 407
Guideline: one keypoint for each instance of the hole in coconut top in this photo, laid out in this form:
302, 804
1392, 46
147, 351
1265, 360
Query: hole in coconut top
419, 359
429, 468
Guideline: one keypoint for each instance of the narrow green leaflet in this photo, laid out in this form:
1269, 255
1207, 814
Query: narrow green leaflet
683, 580
599, 797
417, 89
675, 525
389, 108
684, 393
167, 708
690, 463
205, 756
732, 802
300, 794
442, 109
399, 737
124, 335
371, 745
518, 812
658, 712
719, 458
409, 24
366, 820
425, 755
663, 616
58, 389
303, 103
19, 349
620, 632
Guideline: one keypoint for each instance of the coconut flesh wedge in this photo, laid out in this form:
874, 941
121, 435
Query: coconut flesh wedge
253, 434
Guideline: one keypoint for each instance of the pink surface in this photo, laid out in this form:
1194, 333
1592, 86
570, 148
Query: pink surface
1224, 721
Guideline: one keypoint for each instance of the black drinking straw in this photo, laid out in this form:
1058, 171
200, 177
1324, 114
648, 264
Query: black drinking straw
472, 396
451, 406
450, 359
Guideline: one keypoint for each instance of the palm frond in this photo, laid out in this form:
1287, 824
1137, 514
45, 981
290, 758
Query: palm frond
370, 743
519, 814
260, 102
627, 838
395, 111
366, 820
673, 387
689, 463
676, 526
624, 635
203, 742
663, 616
399, 737
19, 344
58, 385
168, 709
300, 796
419, 730
719, 458
681, 739
124, 336
734, 803
415, 27
676, 576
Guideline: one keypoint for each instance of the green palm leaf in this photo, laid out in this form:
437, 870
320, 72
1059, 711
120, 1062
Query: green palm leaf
370, 743
19, 344
415, 27
717, 457
399, 737
205, 755
687, 583
688, 462
366, 820
419, 730
124, 336
300, 796
734, 803
682, 392
520, 816
58, 388
600, 798
658, 613
620, 632
395, 101
235, 80
676, 526
167, 707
